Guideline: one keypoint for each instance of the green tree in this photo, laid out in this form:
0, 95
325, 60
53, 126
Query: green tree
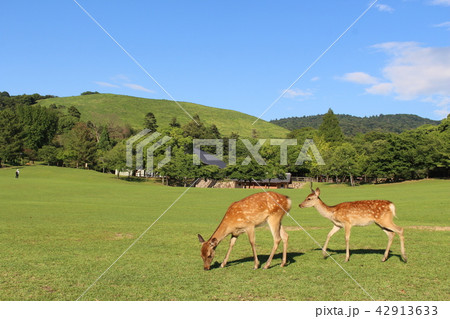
150, 122
48, 154
180, 169
39, 124
330, 129
66, 123
344, 162
11, 137
89, 93
174, 122
115, 158
104, 142
80, 145
197, 129
213, 132
251, 171
194, 128
74, 112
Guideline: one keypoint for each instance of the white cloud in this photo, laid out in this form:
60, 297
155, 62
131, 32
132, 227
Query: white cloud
121, 78
123, 81
440, 2
359, 78
314, 79
396, 48
384, 8
384, 88
443, 103
137, 87
443, 25
106, 84
297, 93
415, 72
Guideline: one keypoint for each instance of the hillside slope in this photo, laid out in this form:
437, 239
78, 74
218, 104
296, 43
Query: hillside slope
352, 125
121, 109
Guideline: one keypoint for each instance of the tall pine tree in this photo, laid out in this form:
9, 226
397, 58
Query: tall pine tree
150, 122
330, 129
104, 142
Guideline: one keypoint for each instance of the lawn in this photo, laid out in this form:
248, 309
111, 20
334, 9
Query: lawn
61, 228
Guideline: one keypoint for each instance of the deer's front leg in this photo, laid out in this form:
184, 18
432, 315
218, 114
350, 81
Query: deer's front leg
333, 231
232, 242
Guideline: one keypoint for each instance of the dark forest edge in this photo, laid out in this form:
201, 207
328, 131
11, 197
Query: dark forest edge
353, 125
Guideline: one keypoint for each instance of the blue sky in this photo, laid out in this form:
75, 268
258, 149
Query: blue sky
239, 55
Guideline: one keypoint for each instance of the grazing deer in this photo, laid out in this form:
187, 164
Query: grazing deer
359, 213
243, 216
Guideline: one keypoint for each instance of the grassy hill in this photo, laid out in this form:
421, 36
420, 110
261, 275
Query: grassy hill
352, 125
121, 109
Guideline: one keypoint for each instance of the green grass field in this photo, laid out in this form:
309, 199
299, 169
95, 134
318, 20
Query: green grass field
61, 228
110, 108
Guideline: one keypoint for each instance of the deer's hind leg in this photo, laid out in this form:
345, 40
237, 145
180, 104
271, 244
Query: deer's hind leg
251, 238
284, 237
275, 227
348, 228
394, 229
390, 235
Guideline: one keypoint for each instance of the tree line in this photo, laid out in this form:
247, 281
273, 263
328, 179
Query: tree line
56, 135
379, 155
353, 125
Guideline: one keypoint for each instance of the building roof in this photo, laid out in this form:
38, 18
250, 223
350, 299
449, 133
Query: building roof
209, 159
287, 179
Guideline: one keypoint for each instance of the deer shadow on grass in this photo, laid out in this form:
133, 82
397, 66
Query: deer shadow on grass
276, 261
335, 252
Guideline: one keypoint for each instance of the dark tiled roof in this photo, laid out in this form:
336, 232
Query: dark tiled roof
287, 179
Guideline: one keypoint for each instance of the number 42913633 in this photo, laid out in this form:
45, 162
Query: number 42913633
407, 310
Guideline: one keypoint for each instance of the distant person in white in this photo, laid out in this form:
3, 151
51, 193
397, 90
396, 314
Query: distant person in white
17, 173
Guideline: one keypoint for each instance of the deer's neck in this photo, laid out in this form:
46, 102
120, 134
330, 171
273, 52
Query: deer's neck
323, 209
221, 232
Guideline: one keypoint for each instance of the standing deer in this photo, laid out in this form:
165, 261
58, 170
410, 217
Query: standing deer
359, 213
243, 216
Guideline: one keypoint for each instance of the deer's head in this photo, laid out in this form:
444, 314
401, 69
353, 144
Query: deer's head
207, 251
311, 199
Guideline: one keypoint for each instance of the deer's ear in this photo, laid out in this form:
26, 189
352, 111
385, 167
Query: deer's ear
214, 242
317, 191
200, 238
